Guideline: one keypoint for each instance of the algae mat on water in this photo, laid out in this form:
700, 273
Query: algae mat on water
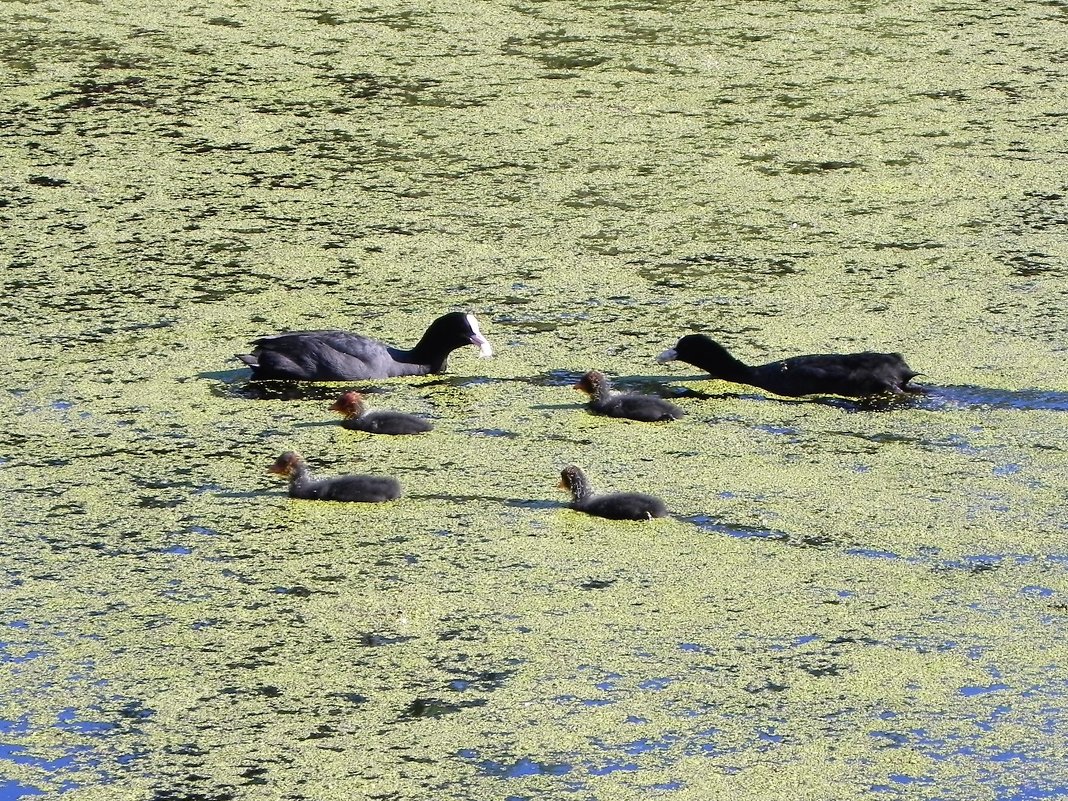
847, 601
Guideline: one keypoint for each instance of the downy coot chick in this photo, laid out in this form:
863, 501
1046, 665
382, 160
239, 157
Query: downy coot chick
365, 489
619, 404
617, 506
858, 375
342, 356
358, 418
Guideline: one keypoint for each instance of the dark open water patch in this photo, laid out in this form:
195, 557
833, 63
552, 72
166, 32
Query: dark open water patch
986, 734
376, 640
1034, 263
492, 432
514, 768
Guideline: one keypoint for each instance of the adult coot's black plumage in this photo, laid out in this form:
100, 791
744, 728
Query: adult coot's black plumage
366, 489
617, 506
625, 404
858, 375
342, 356
358, 418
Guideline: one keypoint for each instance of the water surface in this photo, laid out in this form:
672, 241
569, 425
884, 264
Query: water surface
848, 600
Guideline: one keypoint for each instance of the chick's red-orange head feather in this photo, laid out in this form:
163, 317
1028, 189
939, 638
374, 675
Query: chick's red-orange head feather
285, 463
589, 382
351, 403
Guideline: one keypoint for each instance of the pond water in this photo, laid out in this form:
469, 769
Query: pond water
849, 600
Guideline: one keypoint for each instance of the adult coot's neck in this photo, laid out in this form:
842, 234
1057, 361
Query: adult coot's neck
713, 358
445, 334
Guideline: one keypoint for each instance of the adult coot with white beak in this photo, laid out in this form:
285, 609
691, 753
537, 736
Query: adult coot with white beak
343, 356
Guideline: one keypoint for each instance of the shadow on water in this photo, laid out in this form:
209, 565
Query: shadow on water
437, 708
236, 384
706, 523
645, 384
557, 407
656, 385
287, 390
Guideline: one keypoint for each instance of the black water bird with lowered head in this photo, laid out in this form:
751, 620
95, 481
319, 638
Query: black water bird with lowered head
857, 375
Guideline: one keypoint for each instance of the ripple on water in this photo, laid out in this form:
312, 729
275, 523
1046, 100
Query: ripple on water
939, 398
966, 397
